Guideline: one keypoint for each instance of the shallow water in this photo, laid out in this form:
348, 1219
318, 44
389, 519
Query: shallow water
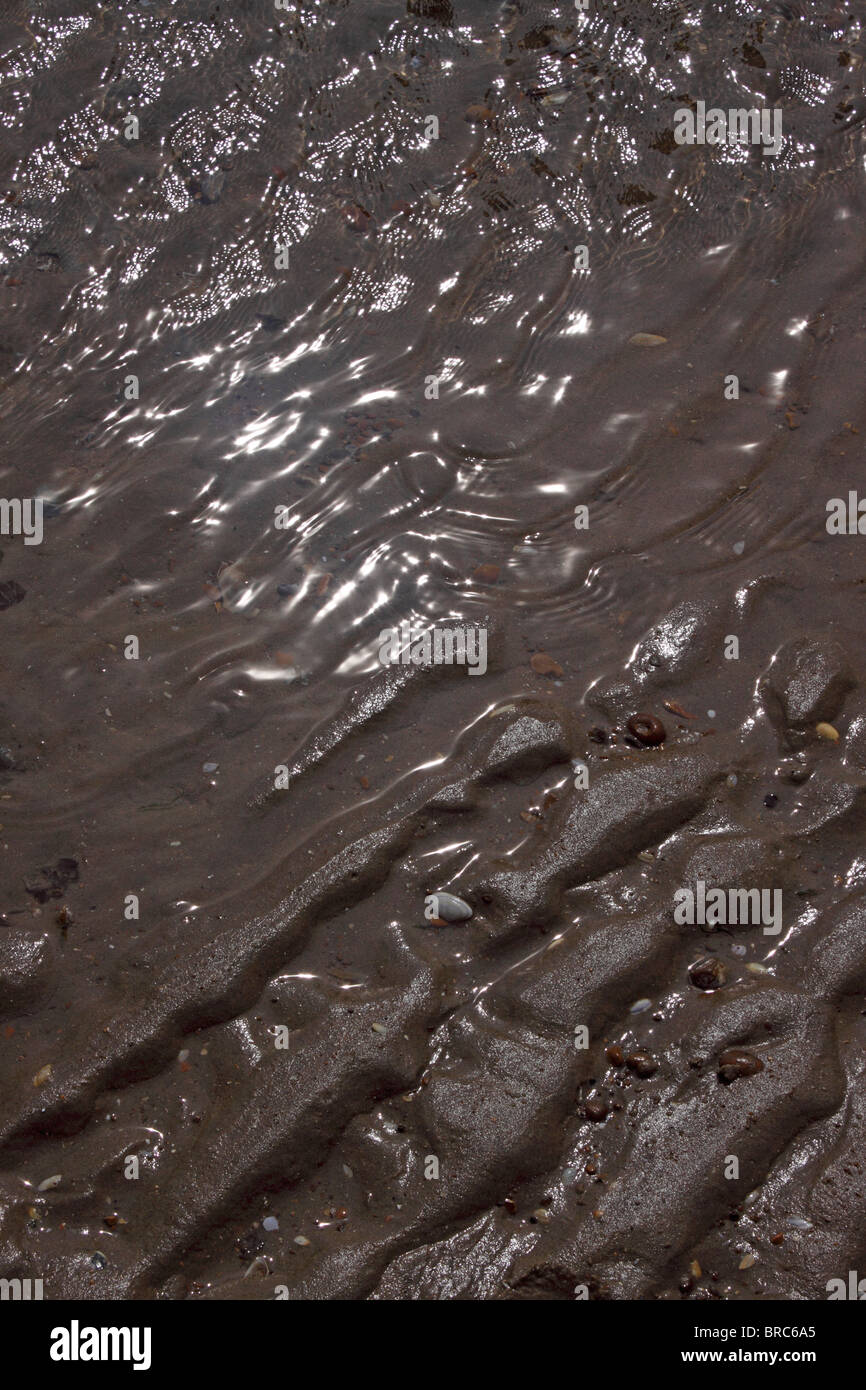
287, 372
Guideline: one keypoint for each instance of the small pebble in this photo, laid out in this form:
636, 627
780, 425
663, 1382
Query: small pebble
708, 973
544, 665
378, 1027
47, 1183
210, 767
541, 1214
735, 1062
797, 1223
642, 1063
478, 115
756, 968
746, 1262
301, 1240
640, 1006
42, 1075
615, 1055
737, 948
731, 779
98, 1260
647, 340
445, 907
695, 1270
826, 731
771, 800
270, 1223
596, 1110
647, 729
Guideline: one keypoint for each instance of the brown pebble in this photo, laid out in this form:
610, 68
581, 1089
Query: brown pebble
777, 1239
596, 1110
735, 1062
647, 729
708, 973
486, 574
615, 1055
642, 1063
544, 665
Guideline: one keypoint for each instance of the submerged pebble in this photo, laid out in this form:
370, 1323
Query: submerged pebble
544, 665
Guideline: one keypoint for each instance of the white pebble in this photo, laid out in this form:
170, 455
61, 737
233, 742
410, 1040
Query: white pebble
446, 907
47, 1183
301, 1240
641, 1006
270, 1223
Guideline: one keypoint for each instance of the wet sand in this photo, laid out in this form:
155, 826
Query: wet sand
222, 1004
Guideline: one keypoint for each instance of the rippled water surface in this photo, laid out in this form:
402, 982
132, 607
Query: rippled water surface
318, 321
